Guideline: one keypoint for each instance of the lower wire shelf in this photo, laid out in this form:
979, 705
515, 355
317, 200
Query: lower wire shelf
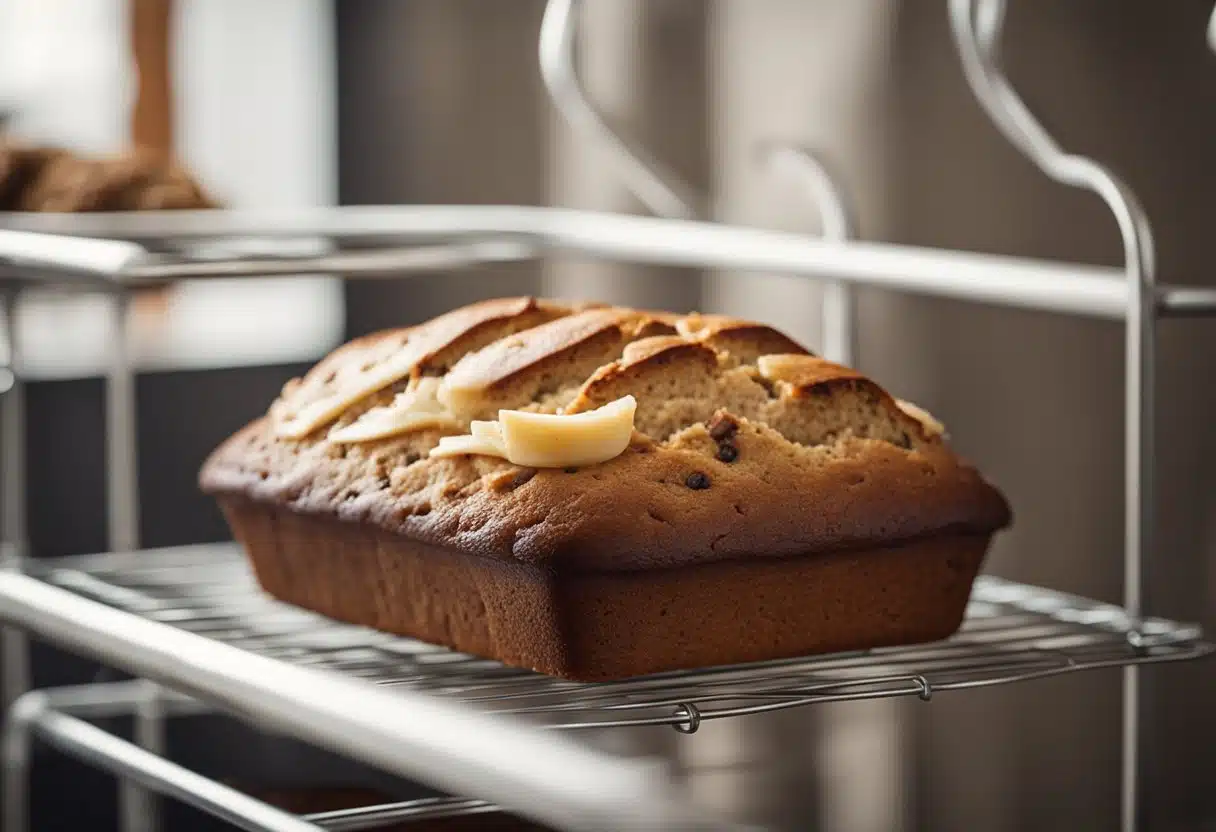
1012, 632
57, 717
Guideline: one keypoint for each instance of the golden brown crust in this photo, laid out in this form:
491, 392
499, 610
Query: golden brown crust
543, 367
762, 485
794, 456
505, 361
594, 625
745, 340
428, 349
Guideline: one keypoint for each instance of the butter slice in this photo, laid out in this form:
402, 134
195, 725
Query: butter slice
467, 446
484, 439
931, 425
545, 440
363, 384
414, 409
489, 431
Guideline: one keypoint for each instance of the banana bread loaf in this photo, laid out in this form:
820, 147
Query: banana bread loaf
762, 503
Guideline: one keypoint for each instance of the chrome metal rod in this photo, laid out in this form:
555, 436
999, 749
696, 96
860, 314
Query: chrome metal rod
14, 646
74, 256
15, 759
377, 817
977, 27
447, 746
390, 262
1084, 290
110, 699
839, 314
1179, 302
91, 701
118, 757
14, 643
1012, 281
1015, 281
657, 189
138, 809
122, 475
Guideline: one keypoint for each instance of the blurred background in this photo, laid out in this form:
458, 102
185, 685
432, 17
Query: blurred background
285, 103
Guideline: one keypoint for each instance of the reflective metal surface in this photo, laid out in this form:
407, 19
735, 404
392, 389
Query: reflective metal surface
1012, 633
984, 278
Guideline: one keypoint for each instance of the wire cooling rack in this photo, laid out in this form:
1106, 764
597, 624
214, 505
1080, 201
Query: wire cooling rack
1013, 632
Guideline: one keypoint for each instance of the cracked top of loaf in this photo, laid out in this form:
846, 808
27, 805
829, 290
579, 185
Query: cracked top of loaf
745, 444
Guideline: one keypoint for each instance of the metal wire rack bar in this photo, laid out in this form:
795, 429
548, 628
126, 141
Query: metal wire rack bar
1013, 633
164, 612
985, 278
37, 717
374, 817
109, 753
421, 737
57, 716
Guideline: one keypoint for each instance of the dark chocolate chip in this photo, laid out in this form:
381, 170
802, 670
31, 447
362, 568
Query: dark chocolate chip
905, 441
697, 481
571, 470
727, 453
722, 427
521, 477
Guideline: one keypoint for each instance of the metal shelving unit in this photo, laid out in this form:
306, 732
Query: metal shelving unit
1012, 633
192, 620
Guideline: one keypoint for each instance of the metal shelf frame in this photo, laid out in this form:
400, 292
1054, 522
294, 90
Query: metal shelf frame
58, 717
1012, 633
422, 737
194, 619
119, 254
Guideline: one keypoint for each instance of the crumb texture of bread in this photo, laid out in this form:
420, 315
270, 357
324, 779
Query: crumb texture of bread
735, 454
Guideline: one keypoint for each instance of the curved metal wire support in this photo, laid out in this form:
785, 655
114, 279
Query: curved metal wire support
813, 174
977, 26
659, 190
836, 223
977, 29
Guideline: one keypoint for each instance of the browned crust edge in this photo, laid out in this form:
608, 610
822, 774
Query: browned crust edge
600, 625
638, 512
